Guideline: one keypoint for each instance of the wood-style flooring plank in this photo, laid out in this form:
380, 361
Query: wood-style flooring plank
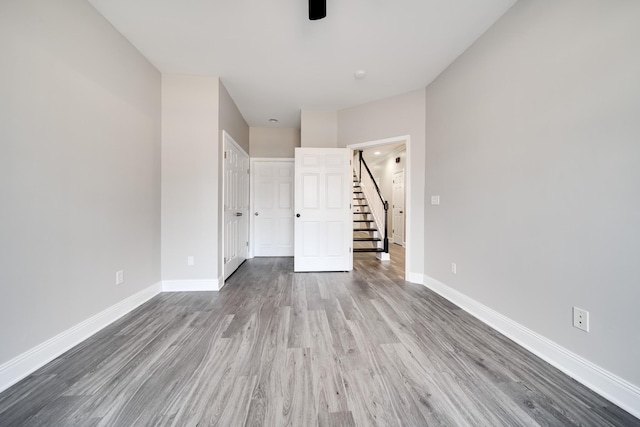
275, 348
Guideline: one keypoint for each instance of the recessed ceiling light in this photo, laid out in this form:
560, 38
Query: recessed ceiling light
360, 74
273, 120
377, 153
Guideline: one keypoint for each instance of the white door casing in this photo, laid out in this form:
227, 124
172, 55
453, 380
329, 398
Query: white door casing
272, 207
324, 220
398, 207
236, 205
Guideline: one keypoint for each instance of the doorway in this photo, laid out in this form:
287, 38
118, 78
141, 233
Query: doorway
235, 218
272, 207
391, 147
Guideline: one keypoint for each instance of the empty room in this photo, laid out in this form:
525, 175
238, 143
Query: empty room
319, 213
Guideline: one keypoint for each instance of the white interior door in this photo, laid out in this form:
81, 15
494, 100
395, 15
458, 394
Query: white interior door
398, 207
323, 223
236, 205
272, 187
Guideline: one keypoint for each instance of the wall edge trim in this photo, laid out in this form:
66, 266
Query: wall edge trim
33, 359
613, 388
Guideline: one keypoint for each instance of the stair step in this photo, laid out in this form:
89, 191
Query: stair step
368, 250
359, 198
357, 206
365, 229
361, 213
367, 239
362, 220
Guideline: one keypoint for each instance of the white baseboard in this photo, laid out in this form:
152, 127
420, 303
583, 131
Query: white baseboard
221, 282
617, 390
191, 285
415, 278
21, 366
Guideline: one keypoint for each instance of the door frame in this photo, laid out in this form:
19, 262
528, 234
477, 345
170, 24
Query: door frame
407, 187
252, 227
226, 136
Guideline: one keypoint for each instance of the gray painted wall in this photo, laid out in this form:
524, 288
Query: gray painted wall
274, 142
79, 169
230, 119
190, 181
387, 118
533, 144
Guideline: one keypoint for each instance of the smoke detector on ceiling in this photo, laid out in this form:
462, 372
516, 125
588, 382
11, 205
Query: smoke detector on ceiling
360, 74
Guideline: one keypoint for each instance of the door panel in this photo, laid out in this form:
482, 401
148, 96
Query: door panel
273, 208
236, 206
323, 230
398, 207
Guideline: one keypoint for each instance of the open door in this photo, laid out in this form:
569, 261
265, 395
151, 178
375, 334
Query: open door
323, 224
236, 205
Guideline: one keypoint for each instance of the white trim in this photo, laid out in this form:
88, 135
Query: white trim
190, 285
617, 390
415, 278
21, 366
408, 275
221, 282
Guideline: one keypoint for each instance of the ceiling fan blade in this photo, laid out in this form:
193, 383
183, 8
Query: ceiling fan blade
317, 9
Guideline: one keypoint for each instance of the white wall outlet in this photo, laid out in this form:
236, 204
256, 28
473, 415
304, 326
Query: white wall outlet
454, 268
119, 277
581, 319
190, 260
435, 200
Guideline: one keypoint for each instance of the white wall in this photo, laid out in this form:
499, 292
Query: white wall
230, 120
190, 177
384, 169
533, 145
388, 118
273, 142
319, 128
79, 170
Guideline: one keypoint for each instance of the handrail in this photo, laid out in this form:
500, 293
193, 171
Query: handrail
385, 204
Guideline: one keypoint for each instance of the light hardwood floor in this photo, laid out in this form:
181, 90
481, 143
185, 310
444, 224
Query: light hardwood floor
276, 348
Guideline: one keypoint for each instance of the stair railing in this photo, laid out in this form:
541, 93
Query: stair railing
377, 205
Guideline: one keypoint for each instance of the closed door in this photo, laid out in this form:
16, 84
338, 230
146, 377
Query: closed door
272, 208
323, 222
236, 205
398, 207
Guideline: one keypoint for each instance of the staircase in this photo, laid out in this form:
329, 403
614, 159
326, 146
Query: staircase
366, 237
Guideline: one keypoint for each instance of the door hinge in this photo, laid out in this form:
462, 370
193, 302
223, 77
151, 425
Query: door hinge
247, 244
225, 154
247, 170
225, 261
349, 250
349, 205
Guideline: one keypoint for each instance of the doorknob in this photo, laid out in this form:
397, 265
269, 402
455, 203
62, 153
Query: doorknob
256, 214
297, 215
238, 213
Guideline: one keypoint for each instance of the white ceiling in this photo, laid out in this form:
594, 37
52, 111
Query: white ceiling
275, 62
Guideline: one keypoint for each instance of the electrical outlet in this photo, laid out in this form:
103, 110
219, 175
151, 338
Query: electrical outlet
454, 268
119, 277
190, 260
581, 319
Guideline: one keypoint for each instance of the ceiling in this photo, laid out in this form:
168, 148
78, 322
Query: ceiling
275, 62
384, 151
